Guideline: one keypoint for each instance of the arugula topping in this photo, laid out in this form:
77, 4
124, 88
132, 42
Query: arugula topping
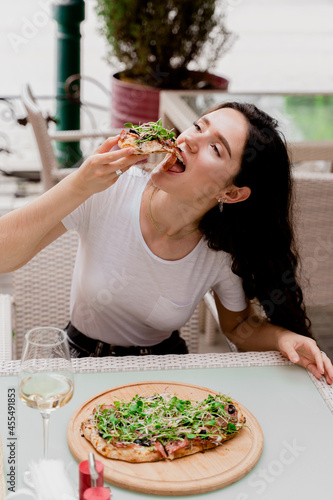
150, 131
165, 418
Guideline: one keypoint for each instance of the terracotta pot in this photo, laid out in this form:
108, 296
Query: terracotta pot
135, 103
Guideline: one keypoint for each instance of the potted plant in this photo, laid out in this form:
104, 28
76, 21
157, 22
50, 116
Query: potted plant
160, 45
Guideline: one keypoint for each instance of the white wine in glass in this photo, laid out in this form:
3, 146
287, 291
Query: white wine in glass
46, 375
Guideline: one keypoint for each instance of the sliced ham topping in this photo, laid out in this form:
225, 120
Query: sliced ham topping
160, 448
176, 445
124, 134
168, 162
171, 164
107, 407
104, 407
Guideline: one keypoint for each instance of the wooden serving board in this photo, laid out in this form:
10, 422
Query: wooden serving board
198, 473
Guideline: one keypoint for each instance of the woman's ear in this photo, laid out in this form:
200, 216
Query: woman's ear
237, 194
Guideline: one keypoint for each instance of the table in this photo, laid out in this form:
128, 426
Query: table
305, 119
293, 409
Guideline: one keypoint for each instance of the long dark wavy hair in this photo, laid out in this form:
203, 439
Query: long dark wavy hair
258, 232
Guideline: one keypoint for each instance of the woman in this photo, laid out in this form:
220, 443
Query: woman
151, 245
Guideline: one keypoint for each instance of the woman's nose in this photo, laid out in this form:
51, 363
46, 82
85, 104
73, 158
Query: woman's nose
191, 144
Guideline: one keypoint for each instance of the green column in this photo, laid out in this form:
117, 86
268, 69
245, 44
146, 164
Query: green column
68, 14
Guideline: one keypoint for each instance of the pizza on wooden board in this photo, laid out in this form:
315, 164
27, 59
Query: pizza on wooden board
152, 138
161, 426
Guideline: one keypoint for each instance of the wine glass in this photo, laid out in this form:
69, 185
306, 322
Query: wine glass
45, 376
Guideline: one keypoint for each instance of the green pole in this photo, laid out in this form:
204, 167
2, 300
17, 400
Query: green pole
68, 14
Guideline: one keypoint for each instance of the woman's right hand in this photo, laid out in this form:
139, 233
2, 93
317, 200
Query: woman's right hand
27, 230
98, 171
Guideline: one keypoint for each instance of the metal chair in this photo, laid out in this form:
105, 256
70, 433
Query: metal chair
50, 172
42, 297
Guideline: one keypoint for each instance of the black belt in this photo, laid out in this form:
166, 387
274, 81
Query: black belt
91, 347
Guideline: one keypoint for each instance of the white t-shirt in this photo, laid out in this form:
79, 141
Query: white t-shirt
124, 294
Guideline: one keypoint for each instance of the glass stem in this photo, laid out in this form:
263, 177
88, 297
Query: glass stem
46, 419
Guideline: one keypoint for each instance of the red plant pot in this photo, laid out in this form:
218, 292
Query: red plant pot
135, 103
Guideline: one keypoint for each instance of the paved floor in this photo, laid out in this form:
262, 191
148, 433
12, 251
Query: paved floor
280, 46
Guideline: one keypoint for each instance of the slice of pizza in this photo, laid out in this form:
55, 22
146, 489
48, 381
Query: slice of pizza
152, 138
161, 426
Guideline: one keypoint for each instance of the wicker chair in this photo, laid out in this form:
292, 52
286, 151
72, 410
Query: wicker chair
313, 213
50, 172
41, 297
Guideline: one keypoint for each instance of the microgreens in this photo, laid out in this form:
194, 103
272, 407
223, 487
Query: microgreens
150, 131
165, 418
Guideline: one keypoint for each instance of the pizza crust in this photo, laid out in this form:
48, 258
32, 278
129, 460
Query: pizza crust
191, 449
130, 453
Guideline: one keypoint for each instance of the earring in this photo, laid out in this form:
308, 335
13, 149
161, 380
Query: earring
220, 204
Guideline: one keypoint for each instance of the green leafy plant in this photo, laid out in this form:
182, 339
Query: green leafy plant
163, 417
150, 131
158, 42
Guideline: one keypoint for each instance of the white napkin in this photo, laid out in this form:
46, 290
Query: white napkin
50, 482
21, 494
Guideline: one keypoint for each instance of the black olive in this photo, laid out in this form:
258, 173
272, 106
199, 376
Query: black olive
146, 137
133, 131
100, 433
143, 442
182, 436
231, 409
203, 431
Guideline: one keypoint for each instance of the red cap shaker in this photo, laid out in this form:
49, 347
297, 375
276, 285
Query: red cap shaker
90, 474
97, 494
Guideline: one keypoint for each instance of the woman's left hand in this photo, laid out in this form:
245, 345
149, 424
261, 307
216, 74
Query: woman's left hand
305, 352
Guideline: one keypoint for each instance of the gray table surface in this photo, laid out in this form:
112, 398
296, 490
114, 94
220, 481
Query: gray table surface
295, 419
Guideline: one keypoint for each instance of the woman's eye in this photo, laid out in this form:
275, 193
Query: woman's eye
215, 149
197, 126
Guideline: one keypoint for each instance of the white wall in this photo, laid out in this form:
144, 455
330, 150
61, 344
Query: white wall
283, 45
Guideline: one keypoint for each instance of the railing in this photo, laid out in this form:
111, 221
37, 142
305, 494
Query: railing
18, 152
